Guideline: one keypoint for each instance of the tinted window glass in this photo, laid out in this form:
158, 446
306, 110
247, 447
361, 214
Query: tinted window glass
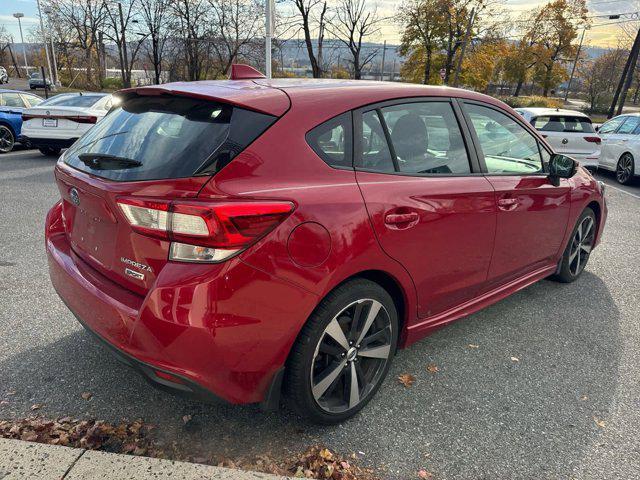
565, 124
426, 138
332, 141
73, 100
629, 125
11, 100
32, 100
507, 146
165, 137
611, 125
375, 150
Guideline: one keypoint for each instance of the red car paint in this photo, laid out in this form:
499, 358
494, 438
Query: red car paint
444, 246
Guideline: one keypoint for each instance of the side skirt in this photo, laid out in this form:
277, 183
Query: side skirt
426, 326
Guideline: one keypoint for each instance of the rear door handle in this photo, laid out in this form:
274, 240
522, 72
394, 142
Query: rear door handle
507, 204
400, 220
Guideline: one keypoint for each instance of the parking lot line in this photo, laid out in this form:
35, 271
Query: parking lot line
623, 191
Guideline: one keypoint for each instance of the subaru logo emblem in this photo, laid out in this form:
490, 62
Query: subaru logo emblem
47, 112
75, 198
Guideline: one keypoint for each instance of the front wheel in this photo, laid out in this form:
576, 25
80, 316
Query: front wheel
7, 139
624, 169
577, 253
343, 352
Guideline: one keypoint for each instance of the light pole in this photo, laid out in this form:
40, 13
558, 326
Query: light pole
44, 39
19, 15
48, 11
269, 21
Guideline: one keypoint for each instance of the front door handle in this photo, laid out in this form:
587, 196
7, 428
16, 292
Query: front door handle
401, 220
507, 204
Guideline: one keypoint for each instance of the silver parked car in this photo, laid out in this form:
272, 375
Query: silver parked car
4, 76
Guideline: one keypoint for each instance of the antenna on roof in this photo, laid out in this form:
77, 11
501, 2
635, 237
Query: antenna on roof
240, 71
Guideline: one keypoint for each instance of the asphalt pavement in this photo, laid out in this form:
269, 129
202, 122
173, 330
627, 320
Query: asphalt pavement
543, 385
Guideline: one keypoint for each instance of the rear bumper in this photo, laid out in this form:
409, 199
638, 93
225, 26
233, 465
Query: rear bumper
46, 142
214, 329
589, 161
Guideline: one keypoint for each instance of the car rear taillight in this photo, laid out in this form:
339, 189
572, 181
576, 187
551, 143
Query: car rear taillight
204, 232
73, 118
84, 119
597, 140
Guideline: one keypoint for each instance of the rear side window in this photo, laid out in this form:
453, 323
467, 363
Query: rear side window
629, 125
565, 124
424, 138
331, 141
152, 138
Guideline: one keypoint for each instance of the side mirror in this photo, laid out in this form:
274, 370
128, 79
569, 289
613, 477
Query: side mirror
561, 166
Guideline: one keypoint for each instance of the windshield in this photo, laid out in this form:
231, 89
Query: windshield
149, 138
73, 100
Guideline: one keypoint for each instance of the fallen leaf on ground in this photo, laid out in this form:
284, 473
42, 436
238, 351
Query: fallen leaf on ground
3, 402
187, 418
432, 368
326, 454
599, 423
11, 392
471, 345
584, 397
406, 379
87, 395
424, 474
515, 359
36, 406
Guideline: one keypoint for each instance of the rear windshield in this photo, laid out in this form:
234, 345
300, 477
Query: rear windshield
73, 100
152, 138
565, 124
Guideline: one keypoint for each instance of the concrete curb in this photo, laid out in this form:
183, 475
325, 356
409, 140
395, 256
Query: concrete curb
34, 461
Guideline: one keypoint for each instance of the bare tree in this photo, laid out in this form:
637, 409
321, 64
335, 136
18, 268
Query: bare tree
313, 19
118, 22
86, 18
155, 18
235, 24
353, 22
192, 25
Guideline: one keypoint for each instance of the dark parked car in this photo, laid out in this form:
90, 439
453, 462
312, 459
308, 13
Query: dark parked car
36, 81
238, 239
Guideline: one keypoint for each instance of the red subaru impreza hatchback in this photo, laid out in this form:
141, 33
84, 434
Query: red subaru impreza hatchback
238, 239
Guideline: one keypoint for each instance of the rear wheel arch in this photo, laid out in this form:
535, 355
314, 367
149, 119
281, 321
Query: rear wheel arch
4, 123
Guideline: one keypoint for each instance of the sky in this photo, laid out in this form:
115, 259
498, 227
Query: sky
601, 35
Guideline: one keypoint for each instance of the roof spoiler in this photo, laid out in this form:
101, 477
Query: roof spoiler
240, 71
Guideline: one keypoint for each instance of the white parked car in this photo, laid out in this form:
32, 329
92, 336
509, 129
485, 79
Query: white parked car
568, 132
621, 146
59, 121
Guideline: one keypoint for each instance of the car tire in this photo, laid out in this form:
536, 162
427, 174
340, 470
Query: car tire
7, 139
50, 151
625, 169
332, 349
576, 255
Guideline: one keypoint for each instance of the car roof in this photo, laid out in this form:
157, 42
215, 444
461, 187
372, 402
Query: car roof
276, 96
551, 111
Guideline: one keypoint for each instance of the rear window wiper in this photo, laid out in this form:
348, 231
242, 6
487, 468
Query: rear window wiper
105, 161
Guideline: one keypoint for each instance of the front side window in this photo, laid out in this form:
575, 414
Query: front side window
331, 141
611, 125
506, 145
425, 138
